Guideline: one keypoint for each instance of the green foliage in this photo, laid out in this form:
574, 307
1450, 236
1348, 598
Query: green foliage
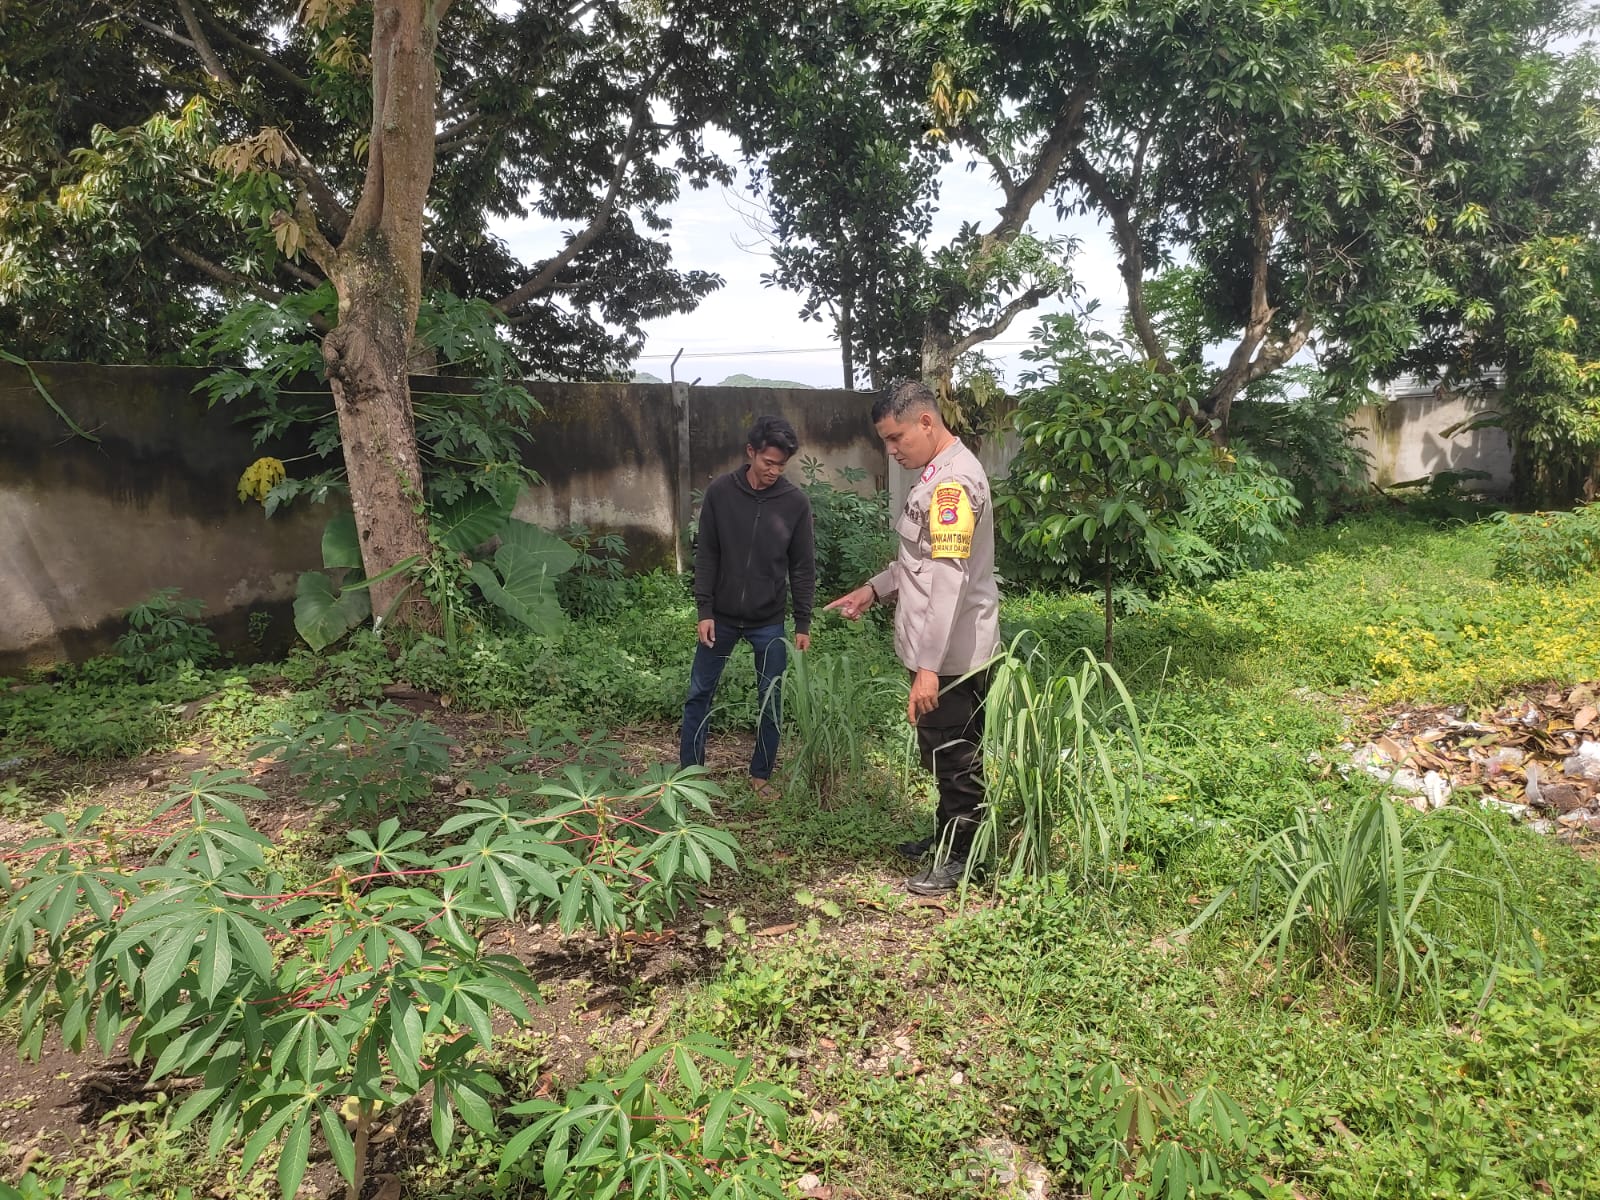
94, 720
165, 635
521, 579
845, 179
1106, 460
359, 991
594, 586
517, 571
1547, 547
833, 702
1236, 515
1360, 889
1132, 1137
139, 205
1064, 756
372, 760
853, 536
695, 1136
470, 437
1298, 421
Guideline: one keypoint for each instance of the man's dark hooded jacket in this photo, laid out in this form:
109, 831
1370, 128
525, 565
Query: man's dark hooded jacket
752, 547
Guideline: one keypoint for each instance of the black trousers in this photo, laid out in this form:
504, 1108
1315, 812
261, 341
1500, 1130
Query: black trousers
951, 741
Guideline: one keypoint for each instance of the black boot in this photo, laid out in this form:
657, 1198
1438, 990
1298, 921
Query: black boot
939, 878
915, 851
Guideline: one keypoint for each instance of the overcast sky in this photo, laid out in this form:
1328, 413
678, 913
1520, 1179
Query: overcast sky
748, 328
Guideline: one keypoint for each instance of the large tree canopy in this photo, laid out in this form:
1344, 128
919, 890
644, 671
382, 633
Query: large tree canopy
145, 146
1357, 179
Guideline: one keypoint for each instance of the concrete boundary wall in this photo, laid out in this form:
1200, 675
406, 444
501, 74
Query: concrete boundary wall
1420, 432
88, 529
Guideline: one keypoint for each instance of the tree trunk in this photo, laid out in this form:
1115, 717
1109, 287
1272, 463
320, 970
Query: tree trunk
367, 356
1110, 577
377, 272
847, 341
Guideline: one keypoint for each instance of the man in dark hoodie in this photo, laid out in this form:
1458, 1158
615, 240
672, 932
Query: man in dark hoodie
755, 548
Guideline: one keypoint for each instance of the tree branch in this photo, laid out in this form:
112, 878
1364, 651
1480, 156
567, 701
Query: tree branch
302, 171
466, 124
1279, 352
233, 279
220, 273
300, 273
172, 35
321, 250
1237, 373
1002, 170
552, 266
1131, 251
385, 23
208, 56
269, 61
1066, 132
1021, 304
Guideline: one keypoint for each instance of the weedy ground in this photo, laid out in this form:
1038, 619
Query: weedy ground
1090, 1027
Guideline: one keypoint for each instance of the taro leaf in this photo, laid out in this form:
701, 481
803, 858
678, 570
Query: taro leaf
340, 545
536, 546
322, 615
473, 519
518, 585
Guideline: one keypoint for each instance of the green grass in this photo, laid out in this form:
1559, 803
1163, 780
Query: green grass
1062, 1013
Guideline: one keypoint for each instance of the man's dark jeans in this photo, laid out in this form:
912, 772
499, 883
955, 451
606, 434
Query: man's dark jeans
772, 655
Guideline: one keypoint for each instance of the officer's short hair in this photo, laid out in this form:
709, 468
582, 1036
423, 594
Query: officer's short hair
774, 432
905, 396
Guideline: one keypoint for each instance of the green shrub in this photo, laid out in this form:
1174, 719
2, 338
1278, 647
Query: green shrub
1306, 437
854, 537
595, 585
164, 635
1547, 547
93, 720
377, 758
1363, 889
1238, 514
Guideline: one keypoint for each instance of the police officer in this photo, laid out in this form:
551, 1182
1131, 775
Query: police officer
947, 616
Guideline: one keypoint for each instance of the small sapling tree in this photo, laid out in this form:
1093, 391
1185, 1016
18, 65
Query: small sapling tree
1100, 482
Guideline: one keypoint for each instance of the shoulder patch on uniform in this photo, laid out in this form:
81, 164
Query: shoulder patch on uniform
950, 522
928, 473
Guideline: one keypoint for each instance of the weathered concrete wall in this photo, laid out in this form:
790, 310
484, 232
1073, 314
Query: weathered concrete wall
1407, 440
89, 529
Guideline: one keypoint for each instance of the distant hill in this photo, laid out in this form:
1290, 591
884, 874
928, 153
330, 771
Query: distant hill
646, 377
750, 381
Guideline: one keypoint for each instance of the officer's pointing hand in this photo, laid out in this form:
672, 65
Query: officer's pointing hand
852, 604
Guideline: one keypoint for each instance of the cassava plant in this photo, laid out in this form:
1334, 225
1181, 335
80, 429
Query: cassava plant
303, 1011
664, 1128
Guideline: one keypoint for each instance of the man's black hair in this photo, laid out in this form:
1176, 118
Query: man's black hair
904, 396
775, 432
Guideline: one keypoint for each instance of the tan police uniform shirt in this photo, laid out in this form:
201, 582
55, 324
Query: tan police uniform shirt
947, 613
